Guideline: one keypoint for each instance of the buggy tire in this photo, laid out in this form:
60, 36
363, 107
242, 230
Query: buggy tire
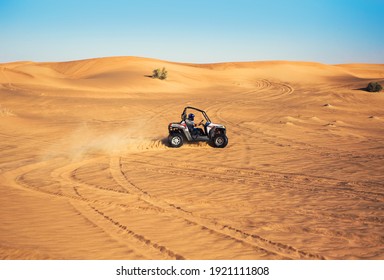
175, 140
220, 141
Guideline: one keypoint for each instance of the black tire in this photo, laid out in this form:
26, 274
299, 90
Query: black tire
220, 141
175, 140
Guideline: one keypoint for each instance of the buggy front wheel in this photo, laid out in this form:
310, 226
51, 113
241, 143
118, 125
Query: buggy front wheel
220, 141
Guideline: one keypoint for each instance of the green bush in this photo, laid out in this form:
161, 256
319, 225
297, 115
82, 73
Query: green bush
374, 87
160, 74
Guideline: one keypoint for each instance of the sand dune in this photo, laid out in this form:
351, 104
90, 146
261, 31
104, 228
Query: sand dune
85, 172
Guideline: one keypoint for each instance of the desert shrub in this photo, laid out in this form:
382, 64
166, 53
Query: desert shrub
374, 87
160, 74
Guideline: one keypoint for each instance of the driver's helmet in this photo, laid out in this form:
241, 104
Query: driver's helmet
191, 117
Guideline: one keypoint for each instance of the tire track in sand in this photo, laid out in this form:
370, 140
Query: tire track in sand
276, 249
341, 193
29, 177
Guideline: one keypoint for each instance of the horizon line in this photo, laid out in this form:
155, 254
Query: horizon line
186, 62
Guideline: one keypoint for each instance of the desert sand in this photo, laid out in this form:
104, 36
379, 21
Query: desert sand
86, 172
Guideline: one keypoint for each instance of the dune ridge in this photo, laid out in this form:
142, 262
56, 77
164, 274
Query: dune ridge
86, 173
135, 70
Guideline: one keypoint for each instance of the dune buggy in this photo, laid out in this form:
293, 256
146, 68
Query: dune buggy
184, 130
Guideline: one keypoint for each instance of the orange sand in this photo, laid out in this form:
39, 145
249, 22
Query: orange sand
85, 172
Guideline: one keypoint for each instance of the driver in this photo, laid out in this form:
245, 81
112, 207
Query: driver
190, 121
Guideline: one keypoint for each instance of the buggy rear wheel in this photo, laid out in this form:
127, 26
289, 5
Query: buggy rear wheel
175, 140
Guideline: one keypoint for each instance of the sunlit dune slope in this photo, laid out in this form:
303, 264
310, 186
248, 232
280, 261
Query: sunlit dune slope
86, 171
131, 74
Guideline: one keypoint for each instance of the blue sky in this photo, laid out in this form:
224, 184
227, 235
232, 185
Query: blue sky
200, 31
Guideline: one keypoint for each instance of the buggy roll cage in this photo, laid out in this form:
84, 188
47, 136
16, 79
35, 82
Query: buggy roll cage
184, 114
